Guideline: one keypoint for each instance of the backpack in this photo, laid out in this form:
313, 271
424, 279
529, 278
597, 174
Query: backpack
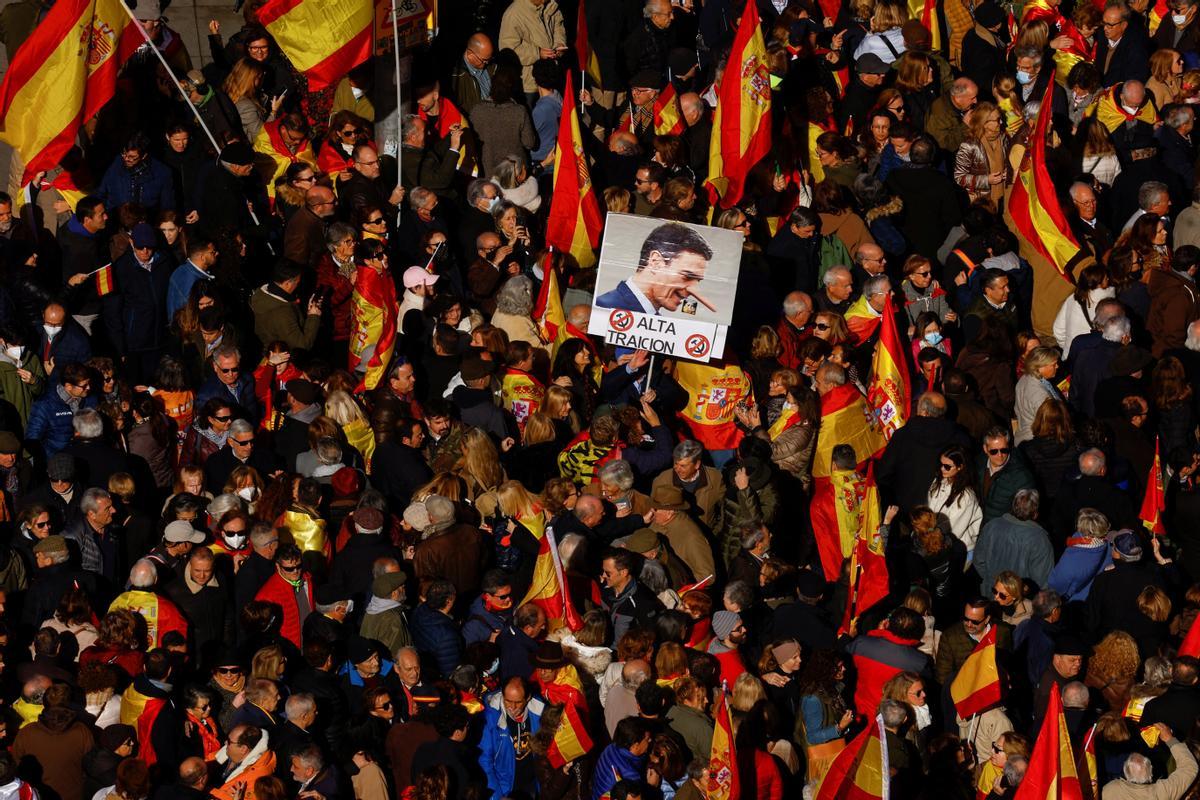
833, 254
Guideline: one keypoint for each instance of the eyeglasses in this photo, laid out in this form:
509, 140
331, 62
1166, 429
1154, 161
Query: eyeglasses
997, 748
995, 451
258, 48
85, 385
1112, 24
306, 179
367, 163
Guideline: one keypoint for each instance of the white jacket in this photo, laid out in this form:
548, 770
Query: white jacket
1070, 321
873, 43
964, 514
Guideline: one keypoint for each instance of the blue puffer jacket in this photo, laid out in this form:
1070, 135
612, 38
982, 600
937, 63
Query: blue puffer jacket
438, 637
481, 623
496, 753
1079, 565
50, 421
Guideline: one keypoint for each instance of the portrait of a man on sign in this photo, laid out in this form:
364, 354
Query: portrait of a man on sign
671, 267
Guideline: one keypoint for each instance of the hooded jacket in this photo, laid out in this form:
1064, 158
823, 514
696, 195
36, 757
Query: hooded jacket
282, 318
496, 754
258, 763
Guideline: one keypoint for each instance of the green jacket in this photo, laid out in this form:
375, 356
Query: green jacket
387, 626
15, 390
996, 495
276, 318
956, 644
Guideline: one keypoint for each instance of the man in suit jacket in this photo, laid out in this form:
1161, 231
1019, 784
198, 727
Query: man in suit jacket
672, 263
1122, 52
1088, 229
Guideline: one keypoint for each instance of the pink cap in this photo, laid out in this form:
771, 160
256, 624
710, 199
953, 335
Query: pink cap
417, 276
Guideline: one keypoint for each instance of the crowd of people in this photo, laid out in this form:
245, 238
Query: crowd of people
282, 438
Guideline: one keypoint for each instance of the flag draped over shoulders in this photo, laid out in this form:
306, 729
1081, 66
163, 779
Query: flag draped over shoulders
373, 324
713, 392
845, 419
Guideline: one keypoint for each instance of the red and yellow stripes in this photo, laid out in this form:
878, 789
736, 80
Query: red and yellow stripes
571, 740
1033, 203
373, 323
589, 64
889, 393
1154, 503
62, 75
860, 772
548, 589
1052, 774
976, 687
323, 40
574, 223
845, 419
668, 116
741, 133
723, 782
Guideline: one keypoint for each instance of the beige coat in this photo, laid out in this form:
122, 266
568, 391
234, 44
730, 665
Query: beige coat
519, 329
709, 497
526, 29
1171, 787
689, 544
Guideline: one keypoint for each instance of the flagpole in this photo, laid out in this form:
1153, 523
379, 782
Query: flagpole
974, 726
649, 372
399, 101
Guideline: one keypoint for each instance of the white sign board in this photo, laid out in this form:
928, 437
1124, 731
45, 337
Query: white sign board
666, 287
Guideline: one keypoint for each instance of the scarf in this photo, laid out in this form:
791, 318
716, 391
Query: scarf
1050, 388
378, 605
66, 397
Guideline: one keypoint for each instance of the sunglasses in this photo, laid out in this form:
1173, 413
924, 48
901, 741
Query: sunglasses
228, 370
924, 274
375, 221
502, 596
999, 595
45, 524
294, 568
242, 442
997, 748
821, 326
229, 670
995, 451
385, 707
223, 417
947, 467
967, 620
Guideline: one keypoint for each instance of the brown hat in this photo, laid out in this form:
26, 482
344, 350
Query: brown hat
9, 443
549, 655
388, 582
642, 540
51, 544
668, 497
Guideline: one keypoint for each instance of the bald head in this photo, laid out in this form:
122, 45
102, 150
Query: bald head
589, 510
193, 773
481, 45
635, 672
623, 143
931, 404
579, 315
692, 107
319, 200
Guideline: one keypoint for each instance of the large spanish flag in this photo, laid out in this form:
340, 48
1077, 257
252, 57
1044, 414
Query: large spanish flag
714, 390
926, 11
846, 419
1051, 774
1043, 234
668, 115
741, 132
548, 588
1154, 502
862, 320
976, 687
1112, 115
323, 39
574, 223
889, 393
62, 76
521, 393
836, 513
869, 577
571, 740
723, 783
861, 770
374, 309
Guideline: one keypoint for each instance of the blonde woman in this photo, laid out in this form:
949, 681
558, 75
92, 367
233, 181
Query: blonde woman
1035, 387
1166, 77
479, 465
242, 85
246, 483
1009, 593
342, 409
885, 39
981, 165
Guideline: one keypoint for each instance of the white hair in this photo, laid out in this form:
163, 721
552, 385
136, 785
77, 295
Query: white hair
1116, 329
1193, 337
143, 575
88, 423
1138, 769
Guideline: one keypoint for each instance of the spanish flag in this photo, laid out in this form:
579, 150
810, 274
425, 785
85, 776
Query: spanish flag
1051, 774
862, 320
845, 419
861, 770
1154, 502
723, 783
571, 740
574, 223
889, 393
741, 132
548, 311
713, 392
668, 115
589, 64
976, 687
1043, 234
521, 393
62, 76
836, 512
323, 40
1107, 108
308, 530
1157, 13
1089, 774
104, 280
548, 589
868, 566
373, 310
926, 12
1068, 57
815, 169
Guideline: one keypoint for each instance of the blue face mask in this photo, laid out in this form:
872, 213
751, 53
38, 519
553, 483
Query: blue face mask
1023, 77
933, 338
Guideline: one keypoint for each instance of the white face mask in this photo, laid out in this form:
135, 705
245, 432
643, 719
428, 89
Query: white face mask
1129, 109
248, 493
495, 201
349, 607
1179, 19
358, 93
14, 352
235, 541
52, 330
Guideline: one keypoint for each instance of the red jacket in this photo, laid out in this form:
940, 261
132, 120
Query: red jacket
790, 339
878, 656
277, 590
731, 665
339, 298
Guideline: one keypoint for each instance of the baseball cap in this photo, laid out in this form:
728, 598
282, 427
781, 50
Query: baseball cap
417, 276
